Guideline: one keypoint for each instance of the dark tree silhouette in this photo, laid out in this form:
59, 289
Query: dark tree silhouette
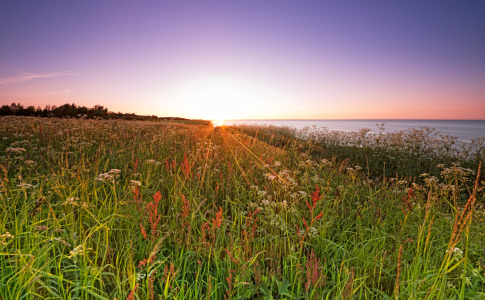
73, 111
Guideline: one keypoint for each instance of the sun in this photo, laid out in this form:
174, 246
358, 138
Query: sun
218, 123
221, 98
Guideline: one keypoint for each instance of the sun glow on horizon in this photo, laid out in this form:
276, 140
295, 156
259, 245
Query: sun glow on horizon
218, 123
222, 97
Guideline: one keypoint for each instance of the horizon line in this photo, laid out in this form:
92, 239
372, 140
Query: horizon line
354, 119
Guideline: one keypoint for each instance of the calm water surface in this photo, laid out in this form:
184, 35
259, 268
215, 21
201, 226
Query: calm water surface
463, 129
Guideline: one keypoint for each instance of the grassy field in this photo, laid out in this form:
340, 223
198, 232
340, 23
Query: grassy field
140, 210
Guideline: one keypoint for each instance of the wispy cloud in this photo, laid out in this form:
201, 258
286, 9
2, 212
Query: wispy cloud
29, 76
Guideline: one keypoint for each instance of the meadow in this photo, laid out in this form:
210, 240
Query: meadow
114, 209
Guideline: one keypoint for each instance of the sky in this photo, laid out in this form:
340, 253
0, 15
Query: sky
248, 59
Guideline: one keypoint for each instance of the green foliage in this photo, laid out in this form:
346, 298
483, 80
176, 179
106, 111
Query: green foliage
97, 112
110, 209
407, 153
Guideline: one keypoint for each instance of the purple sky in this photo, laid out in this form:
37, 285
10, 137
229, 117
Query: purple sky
248, 59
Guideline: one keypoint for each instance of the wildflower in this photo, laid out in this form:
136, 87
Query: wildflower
4, 237
150, 161
105, 176
61, 241
114, 171
277, 163
326, 162
262, 193
71, 201
15, 150
79, 250
455, 250
135, 182
313, 232
316, 179
25, 186
140, 276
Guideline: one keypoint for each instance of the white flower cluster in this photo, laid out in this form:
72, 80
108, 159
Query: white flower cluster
79, 250
476, 271
316, 179
456, 172
4, 237
74, 201
57, 239
15, 150
25, 186
285, 177
313, 232
325, 163
71, 201
135, 182
110, 176
307, 163
270, 176
455, 251
140, 276
262, 193
430, 180
450, 285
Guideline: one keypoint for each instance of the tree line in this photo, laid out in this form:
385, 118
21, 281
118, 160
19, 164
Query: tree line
74, 111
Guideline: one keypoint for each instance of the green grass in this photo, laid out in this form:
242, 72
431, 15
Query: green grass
142, 210
408, 153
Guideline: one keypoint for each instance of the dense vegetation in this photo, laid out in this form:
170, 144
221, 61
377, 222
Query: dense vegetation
408, 153
111, 209
73, 111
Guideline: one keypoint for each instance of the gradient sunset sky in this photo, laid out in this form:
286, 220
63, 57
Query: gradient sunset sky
243, 59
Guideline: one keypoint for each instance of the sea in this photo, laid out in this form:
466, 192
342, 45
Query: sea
465, 130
